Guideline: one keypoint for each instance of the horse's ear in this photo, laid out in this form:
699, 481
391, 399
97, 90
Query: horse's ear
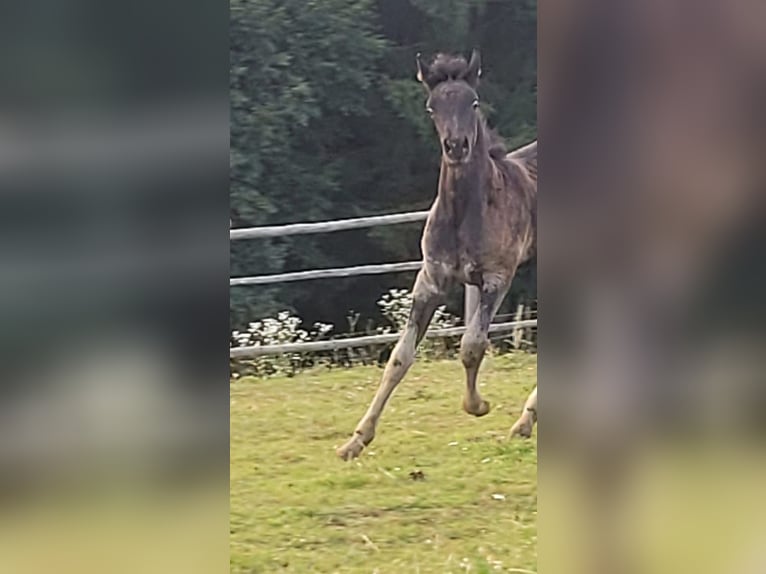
473, 71
422, 71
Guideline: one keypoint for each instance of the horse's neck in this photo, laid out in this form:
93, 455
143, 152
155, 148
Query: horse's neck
462, 188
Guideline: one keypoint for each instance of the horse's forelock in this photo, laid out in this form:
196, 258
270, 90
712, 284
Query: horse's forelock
446, 67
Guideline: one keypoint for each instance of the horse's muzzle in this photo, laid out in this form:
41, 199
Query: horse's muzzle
456, 149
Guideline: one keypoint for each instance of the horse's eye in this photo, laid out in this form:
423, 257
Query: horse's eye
475, 104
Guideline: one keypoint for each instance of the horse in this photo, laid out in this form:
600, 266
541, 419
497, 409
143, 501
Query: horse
480, 228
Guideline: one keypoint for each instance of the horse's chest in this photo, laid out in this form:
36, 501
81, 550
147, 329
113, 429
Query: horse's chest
454, 251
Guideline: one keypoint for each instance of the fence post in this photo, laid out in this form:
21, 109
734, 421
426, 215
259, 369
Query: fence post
517, 336
471, 302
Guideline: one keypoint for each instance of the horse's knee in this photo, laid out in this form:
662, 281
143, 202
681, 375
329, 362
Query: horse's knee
531, 404
402, 358
472, 347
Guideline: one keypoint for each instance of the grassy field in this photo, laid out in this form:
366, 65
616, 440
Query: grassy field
438, 491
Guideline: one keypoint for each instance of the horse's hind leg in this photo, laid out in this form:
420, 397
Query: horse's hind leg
426, 297
526, 422
475, 341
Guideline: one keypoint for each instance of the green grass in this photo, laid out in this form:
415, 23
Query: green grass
295, 507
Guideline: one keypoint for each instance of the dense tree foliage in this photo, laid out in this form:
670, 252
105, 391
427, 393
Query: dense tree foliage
328, 122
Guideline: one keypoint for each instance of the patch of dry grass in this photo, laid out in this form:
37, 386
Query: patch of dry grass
438, 491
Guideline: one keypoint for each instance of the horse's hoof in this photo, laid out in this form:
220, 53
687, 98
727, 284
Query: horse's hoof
521, 429
352, 449
476, 409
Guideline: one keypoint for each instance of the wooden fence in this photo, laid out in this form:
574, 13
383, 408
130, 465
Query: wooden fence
518, 326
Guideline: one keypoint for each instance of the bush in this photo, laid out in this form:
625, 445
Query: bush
286, 328
283, 329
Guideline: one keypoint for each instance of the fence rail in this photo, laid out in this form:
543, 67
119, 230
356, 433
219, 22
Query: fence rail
326, 273
326, 226
335, 344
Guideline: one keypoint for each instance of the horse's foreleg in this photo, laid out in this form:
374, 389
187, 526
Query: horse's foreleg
526, 422
475, 341
426, 298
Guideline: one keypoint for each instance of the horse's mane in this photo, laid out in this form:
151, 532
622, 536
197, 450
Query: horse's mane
495, 144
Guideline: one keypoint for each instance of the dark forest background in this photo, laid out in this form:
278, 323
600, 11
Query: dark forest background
328, 122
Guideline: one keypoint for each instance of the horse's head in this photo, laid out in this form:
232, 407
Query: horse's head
453, 103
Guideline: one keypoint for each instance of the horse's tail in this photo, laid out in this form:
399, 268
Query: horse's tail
526, 157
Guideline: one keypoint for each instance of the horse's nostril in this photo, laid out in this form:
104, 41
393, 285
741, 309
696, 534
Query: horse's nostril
456, 146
